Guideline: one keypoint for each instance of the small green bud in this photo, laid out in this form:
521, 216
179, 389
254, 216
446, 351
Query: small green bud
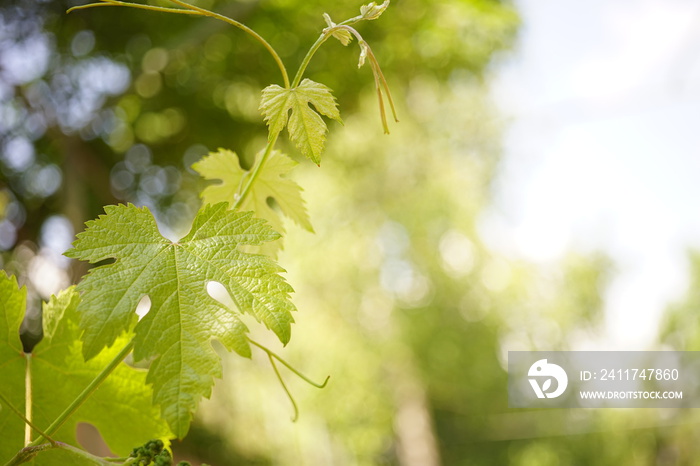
373, 11
364, 48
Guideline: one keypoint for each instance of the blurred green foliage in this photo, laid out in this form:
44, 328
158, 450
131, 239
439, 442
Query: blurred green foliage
401, 300
681, 328
102, 83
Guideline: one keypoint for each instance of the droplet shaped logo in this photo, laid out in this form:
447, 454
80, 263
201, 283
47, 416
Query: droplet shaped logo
541, 369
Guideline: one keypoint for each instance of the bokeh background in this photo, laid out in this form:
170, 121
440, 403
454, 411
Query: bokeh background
520, 204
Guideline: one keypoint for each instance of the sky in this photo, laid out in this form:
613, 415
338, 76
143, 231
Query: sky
602, 150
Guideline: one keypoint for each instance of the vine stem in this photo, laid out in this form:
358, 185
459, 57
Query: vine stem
256, 172
328, 32
197, 11
27, 422
273, 139
284, 387
272, 356
244, 28
28, 400
80, 399
379, 80
289, 366
309, 55
28, 453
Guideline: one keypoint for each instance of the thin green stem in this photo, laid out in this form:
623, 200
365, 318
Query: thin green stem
381, 81
309, 55
19, 414
284, 386
255, 173
197, 11
28, 399
328, 32
272, 356
134, 5
245, 28
85, 455
85, 394
28, 453
288, 366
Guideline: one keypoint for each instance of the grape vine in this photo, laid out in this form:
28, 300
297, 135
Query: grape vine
90, 329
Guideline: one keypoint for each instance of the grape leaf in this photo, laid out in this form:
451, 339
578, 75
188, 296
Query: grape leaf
270, 183
343, 35
183, 318
305, 126
372, 10
120, 408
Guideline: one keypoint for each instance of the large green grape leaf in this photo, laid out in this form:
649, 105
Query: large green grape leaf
121, 408
183, 318
270, 183
305, 126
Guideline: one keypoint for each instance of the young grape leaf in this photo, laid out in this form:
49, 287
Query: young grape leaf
343, 35
372, 10
121, 408
270, 183
183, 318
305, 126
